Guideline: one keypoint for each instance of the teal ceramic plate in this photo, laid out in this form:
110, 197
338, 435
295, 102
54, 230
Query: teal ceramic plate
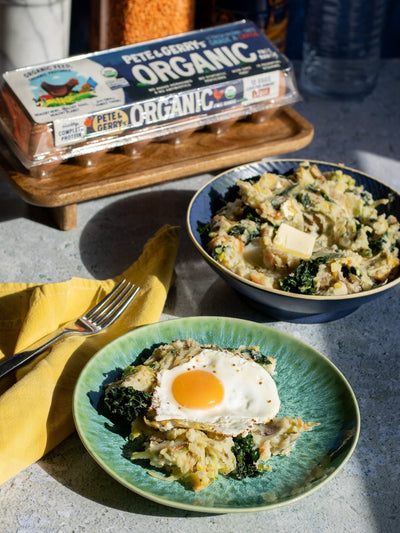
309, 385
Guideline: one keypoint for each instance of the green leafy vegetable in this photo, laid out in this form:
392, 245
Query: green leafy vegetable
126, 403
277, 201
203, 229
218, 250
302, 280
237, 230
286, 191
257, 356
322, 193
304, 199
377, 244
347, 271
253, 180
251, 214
247, 455
366, 197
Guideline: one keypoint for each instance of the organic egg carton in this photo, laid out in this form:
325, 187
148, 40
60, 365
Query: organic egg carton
125, 98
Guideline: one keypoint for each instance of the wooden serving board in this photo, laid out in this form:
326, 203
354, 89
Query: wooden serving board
115, 172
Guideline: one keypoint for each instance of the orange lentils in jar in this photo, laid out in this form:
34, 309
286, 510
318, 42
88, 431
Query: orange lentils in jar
134, 21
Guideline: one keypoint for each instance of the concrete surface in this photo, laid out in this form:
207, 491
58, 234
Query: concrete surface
68, 492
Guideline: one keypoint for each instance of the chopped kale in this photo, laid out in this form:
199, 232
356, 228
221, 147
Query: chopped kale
304, 199
203, 229
253, 180
257, 356
358, 224
326, 196
302, 280
130, 369
277, 201
126, 403
322, 193
238, 230
377, 244
252, 235
218, 250
251, 214
286, 191
366, 197
347, 271
138, 444
247, 455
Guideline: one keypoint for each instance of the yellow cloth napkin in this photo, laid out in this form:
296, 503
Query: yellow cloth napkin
36, 410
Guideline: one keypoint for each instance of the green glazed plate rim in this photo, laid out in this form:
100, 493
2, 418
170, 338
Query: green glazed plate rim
309, 385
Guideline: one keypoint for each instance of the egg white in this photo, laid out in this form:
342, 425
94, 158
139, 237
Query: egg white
250, 395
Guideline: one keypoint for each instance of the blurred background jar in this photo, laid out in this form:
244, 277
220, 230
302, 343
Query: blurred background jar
33, 31
122, 22
342, 47
271, 16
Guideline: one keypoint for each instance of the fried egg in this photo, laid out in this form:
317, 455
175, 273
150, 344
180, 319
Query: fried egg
215, 391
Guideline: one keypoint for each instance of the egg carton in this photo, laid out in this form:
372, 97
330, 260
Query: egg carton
125, 98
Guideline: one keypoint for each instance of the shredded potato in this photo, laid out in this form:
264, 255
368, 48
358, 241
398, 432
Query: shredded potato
277, 437
192, 456
196, 457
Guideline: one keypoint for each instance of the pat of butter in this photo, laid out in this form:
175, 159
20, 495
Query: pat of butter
294, 241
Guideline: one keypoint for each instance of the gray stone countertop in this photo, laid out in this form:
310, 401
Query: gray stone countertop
68, 492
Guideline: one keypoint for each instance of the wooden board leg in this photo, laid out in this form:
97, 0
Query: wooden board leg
64, 216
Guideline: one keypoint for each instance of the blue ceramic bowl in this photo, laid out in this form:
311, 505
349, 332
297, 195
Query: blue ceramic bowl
279, 304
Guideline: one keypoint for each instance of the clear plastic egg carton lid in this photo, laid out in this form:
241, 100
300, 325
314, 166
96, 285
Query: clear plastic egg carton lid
157, 91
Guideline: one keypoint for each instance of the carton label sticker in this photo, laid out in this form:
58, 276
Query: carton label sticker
262, 87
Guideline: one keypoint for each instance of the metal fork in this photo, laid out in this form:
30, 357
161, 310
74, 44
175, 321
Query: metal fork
101, 316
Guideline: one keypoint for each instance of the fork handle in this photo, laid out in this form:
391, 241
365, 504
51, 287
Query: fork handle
35, 349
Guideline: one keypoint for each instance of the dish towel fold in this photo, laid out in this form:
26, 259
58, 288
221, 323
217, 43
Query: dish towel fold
36, 408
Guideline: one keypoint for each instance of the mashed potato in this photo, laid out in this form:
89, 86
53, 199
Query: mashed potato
354, 248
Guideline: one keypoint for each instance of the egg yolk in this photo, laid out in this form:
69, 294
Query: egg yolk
197, 389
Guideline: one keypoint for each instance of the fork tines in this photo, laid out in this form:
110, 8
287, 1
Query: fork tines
113, 305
